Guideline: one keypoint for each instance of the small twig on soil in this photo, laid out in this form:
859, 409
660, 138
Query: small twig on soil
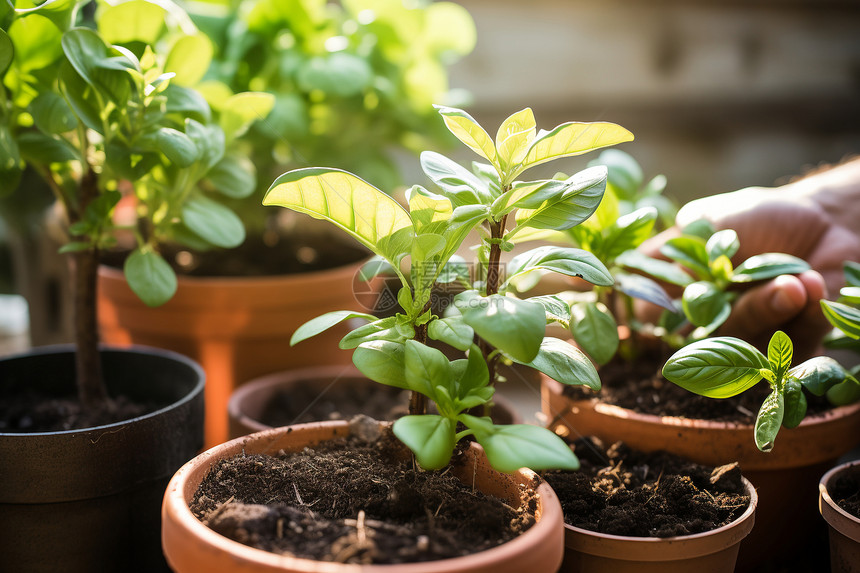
438, 508
360, 528
298, 496
474, 474
217, 511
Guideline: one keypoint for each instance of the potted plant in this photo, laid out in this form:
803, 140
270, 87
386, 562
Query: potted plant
349, 89
484, 322
99, 121
837, 501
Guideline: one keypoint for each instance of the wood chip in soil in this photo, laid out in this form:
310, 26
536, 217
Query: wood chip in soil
352, 502
619, 491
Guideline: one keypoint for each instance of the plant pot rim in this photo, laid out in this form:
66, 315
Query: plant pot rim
642, 548
132, 349
175, 510
835, 516
621, 412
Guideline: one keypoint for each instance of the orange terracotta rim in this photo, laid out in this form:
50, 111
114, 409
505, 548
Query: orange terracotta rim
190, 546
836, 517
664, 548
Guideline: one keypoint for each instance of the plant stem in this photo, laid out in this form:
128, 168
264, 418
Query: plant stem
497, 231
91, 389
417, 400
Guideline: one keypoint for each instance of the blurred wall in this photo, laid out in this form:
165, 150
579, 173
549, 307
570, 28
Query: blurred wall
719, 94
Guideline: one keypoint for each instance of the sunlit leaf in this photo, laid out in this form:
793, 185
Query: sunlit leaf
431, 438
324, 322
716, 367
150, 276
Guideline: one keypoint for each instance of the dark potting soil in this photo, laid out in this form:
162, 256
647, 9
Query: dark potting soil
640, 386
619, 491
302, 403
845, 491
28, 412
352, 502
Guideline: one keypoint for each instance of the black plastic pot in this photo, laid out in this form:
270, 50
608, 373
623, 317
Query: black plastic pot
90, 500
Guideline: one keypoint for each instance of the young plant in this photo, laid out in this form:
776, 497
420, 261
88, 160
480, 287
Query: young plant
97, 121
485, 321
706, 253
723, 367
844, 315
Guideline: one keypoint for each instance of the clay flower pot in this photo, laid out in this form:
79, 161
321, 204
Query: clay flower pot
844, 528
190, 546
794, 466
249, 403
236, 328
88, 500
710, 552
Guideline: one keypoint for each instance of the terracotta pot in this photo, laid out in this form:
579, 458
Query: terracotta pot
191, 547
236, 328
711, 552
794, 466
844, 528
250, 401
88, 500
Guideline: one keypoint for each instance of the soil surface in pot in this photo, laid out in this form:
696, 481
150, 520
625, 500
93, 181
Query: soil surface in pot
845, 490
640, 386
303, 403
29, 412
353, 501
619, 491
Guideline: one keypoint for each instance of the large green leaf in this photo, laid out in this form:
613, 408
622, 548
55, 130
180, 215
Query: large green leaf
134, 21
458, 184
233, 176
382, 329
431, 438
659, 269
722, 243
843, 317
769, 420
516, 446
373, 218
213, 222
594, 330
819, 374
565, 363
625, 174
643, 288
189, 59
514, 137
779, 353
703, 303
629, 231
175, 145
567, 261
768, 265
851, 271
453, 331
325, 321
426, 368
60, 12
514, 326
795, 404
7, 51
466, 129
690, 252
572, 207
382, 361
341, 73
92, 59
528, 195
716, 367
569, 139
52, 113
187, 103
241, 110
556, 308
150, 276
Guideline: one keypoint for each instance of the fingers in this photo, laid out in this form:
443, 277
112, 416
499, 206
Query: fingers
788, 303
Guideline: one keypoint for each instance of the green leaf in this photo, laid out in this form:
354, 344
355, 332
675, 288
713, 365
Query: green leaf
595, 330
514, 326
175, 145
514, 137
467, 130
239, 111
850, 295
661, 270
563, 260
150, 277
189, 59
233, 176
426, 368
209, 139
845, 393
516, 446
382, 361
528, 195
565, 363
703, 302
795, 404
779, 353
43, 149
7, 51
700, 228
643, 288
690, 252
457, 183
851, 271
213, 222
81, 97
134, 21
630, 231
768, 265
843, 317
323, 322
582, 197
452, 331
819, 374
186, 103
556, 308
722, 243
570, 139
431, 438
625, 174
716, 367
769, 420
373, 218
91, 58
475, 377
340, 74
383, 329
60, 12
36, 43
52, 114
11, 168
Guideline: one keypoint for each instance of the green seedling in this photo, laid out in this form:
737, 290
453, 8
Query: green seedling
723, 367
486, 322
844, 315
